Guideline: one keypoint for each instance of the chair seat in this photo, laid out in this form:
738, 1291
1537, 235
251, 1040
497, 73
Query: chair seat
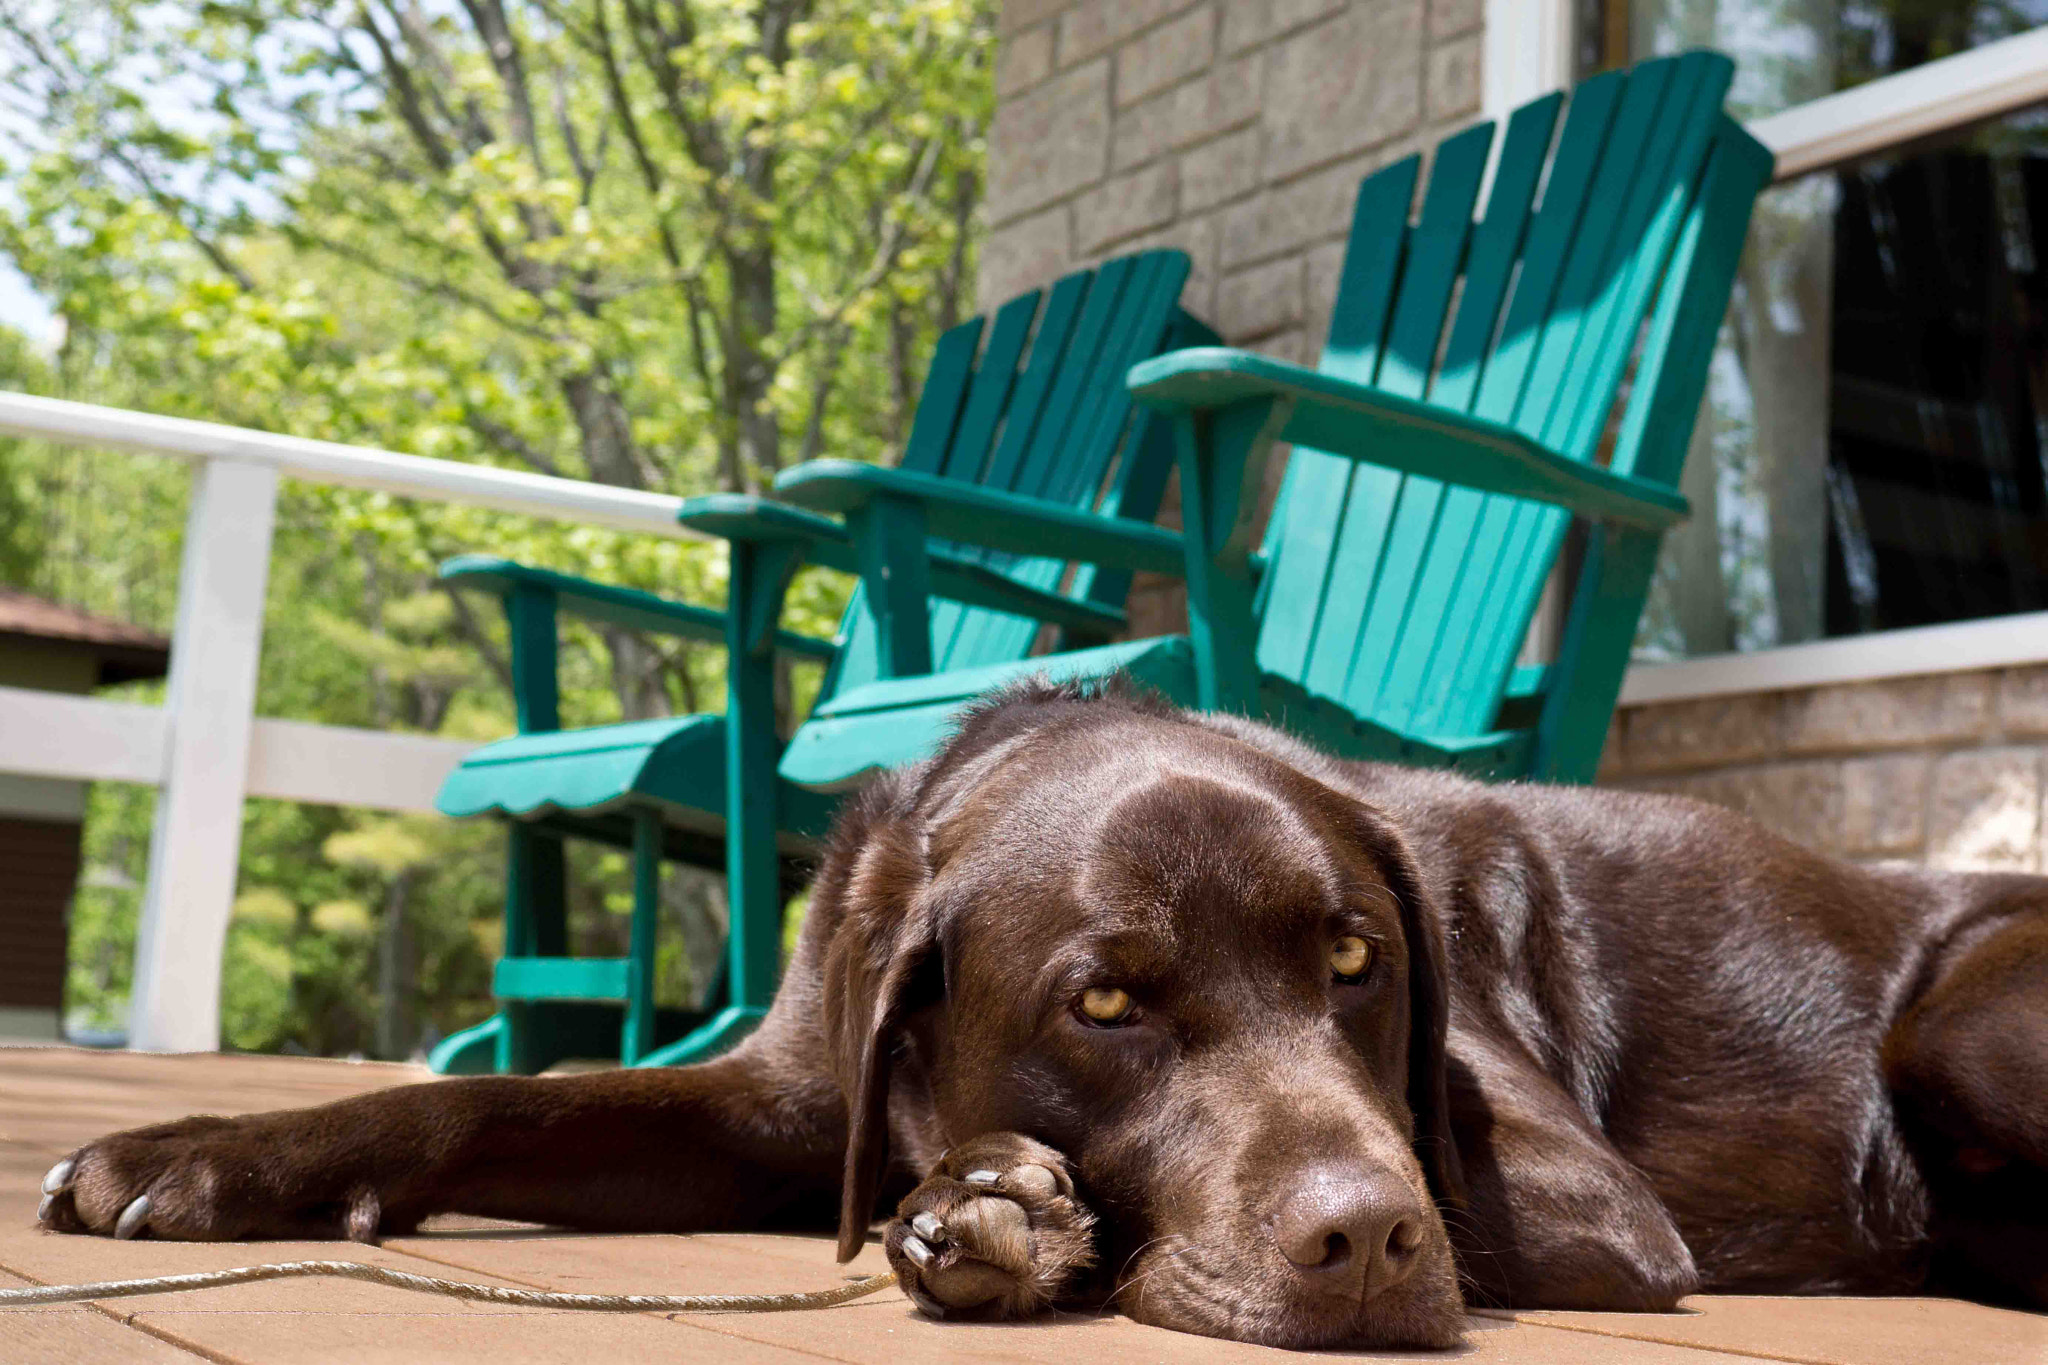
895, 721
901, 720
676, 763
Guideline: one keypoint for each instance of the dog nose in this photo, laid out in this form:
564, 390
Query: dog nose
1357, 1233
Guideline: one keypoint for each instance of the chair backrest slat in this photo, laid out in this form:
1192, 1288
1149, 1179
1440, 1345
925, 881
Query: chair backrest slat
1030, 407
1055, 353
1136, 292
945, 391
1401, 598
1308, 518
995, 379
1496, 247
1390, 516
1031, 400
961, 636
1654, 154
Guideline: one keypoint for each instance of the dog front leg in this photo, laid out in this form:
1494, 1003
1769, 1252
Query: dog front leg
722, 1145
995, 1231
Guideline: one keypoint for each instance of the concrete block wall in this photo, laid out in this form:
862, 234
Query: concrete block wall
1236, 130
1945, 770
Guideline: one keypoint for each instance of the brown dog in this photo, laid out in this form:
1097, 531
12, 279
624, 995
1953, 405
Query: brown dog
1171, 1010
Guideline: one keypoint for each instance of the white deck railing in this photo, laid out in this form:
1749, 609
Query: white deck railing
205, 749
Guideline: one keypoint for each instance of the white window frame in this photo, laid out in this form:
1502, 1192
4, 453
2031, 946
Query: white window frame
1528, 50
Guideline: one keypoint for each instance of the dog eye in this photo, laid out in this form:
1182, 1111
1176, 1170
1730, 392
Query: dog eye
1349, 957
1105, 1004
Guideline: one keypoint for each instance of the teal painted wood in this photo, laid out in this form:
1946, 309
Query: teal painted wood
1122, 312
638, 1039
560, 978
1424, 591
1496, 246
1654, 160
1425, 500
1098, 417
1035, 407
1305, 539
530, 614
995, 379
1390, 516
1140, 478
1030, 399
961, 637
1550, 236
944, 393
1430, 591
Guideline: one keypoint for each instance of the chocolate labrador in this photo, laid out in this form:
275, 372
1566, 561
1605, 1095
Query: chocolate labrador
1170, 1011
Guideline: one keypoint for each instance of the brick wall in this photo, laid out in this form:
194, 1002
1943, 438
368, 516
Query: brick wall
1236, 130
1945, 770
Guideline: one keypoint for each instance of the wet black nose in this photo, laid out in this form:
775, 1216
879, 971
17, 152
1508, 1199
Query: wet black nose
1358, 1233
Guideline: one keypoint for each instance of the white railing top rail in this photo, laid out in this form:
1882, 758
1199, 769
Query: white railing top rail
330, 462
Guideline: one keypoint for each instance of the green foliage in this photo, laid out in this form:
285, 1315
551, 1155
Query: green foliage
669, 244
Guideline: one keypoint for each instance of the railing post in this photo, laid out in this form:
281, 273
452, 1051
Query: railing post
209, 709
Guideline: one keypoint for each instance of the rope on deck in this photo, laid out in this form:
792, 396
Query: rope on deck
427, 1284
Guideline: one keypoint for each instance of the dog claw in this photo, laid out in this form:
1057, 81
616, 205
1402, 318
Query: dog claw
43, 1209
134, 1219
920, 1254
60, 1175
982, 1177
928, 1227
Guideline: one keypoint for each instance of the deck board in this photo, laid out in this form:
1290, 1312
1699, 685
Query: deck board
53, 1099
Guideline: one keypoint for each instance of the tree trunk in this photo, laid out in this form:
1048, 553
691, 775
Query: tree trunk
605, 430
750, 370
396, 975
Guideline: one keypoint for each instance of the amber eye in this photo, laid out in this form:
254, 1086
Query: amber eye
1349, 957
1105, 1004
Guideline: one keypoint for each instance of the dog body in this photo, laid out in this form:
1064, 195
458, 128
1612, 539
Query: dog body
1130, 1004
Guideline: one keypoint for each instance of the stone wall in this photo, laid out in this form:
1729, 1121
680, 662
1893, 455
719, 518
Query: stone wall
1236, 130
1945, 770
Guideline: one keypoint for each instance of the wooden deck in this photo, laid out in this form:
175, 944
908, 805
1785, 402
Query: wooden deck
51, 1100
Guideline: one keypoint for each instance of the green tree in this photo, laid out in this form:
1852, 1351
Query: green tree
667, 244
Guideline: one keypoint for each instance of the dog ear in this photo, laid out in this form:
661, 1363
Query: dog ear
1429, 1006
885, 934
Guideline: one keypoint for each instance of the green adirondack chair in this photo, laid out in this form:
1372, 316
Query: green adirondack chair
1470, 401
1036, 409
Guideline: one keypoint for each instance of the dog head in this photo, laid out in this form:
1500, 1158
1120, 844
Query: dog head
1161, 945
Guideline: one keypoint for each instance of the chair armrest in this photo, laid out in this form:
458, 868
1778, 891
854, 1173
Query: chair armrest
626, 607
741, 516
737, 516
1362, 423
987, 517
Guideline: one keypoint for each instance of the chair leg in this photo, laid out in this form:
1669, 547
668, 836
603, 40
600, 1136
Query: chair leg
639, 1032
469, 1052
536, 925
753, 872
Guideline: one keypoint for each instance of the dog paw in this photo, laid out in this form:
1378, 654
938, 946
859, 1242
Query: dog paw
204, 1179
994, 1232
